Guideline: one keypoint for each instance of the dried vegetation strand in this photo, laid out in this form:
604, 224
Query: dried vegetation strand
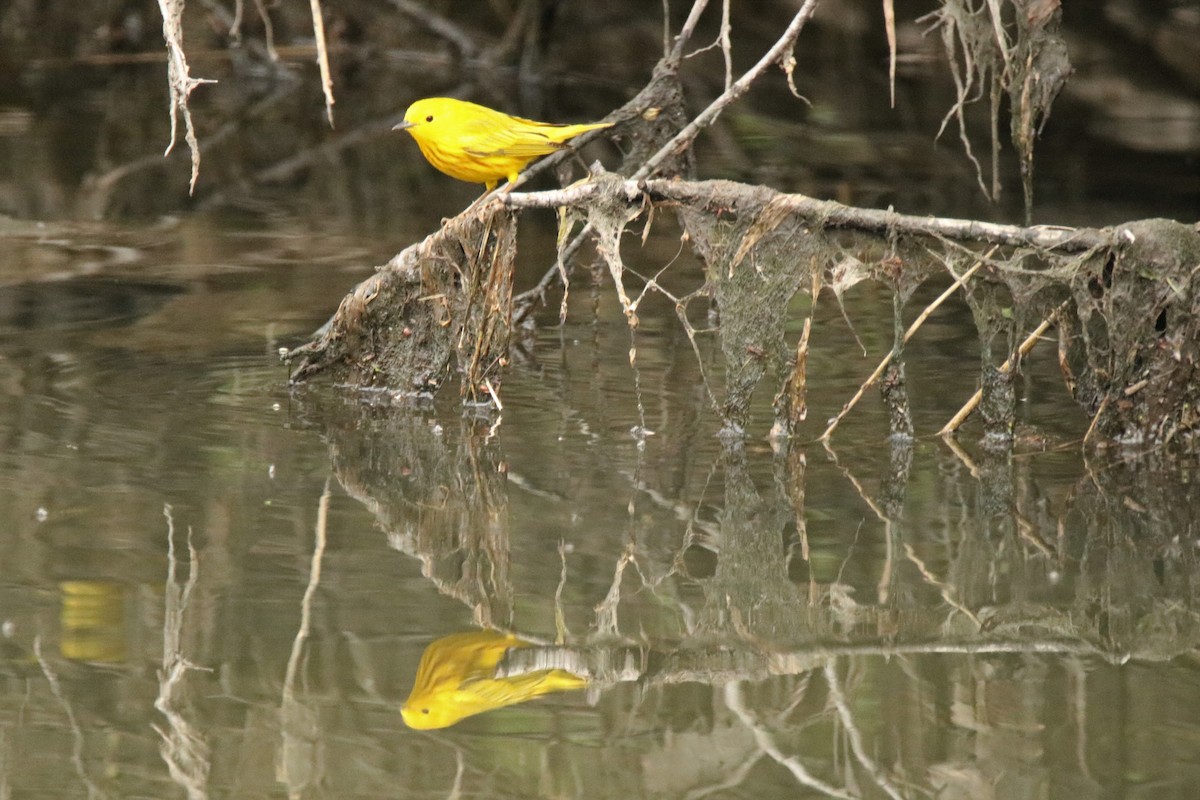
996, 49
180, 82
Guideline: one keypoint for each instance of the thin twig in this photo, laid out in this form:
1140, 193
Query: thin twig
436, 23
969, 407
889, 24
908, 334
775, 55
685, 33
524, 303
948, 591
323, 58
722, 41
1096, 419
184, 747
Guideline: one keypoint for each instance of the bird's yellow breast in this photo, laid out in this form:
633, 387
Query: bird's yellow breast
452, 158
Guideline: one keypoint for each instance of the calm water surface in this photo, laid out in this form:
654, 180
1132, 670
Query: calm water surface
215, 585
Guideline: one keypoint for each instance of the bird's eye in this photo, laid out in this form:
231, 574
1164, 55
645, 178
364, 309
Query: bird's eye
429, 118
425, 710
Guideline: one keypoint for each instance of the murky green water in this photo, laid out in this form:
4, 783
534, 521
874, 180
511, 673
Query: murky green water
217, 584
213, 584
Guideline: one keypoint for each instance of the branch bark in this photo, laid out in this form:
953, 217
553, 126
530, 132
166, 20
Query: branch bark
710, 194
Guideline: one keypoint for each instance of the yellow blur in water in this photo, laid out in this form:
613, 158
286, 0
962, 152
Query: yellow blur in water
455, 680
476, 144
93, 621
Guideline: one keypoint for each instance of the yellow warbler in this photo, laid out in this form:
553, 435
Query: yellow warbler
476, 144
455, 680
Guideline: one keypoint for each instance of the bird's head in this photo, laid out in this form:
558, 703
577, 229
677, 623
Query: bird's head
426, 114
425, 716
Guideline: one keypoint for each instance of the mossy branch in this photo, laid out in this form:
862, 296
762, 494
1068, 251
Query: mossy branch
828, 213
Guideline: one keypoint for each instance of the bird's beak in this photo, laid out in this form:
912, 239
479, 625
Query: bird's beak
403, 126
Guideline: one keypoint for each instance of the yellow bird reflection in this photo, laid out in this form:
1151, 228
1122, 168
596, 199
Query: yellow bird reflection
455, 680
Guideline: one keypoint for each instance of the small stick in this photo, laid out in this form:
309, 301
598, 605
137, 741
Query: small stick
908, 334
958, 419
495, 395
1096, 419
322, 58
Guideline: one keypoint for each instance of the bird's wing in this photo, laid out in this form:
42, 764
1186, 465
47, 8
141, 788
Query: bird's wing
508, 137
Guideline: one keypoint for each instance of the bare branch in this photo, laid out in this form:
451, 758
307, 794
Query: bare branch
824, 212
722, 41
685, 33
776, 55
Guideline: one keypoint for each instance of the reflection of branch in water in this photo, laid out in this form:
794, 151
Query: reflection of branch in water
445, 508
1028, 532
606, 610
798, 695
962, 455
856, 744
299, 762
946, 589
730, 660
708, 537
766, 742
683, 512
183, 748
884, 587
560, 620
733, 777
460, 769
1077, 679
361, 665
790, 476
76, 731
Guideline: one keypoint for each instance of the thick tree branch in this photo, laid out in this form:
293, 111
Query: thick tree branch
710, 194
